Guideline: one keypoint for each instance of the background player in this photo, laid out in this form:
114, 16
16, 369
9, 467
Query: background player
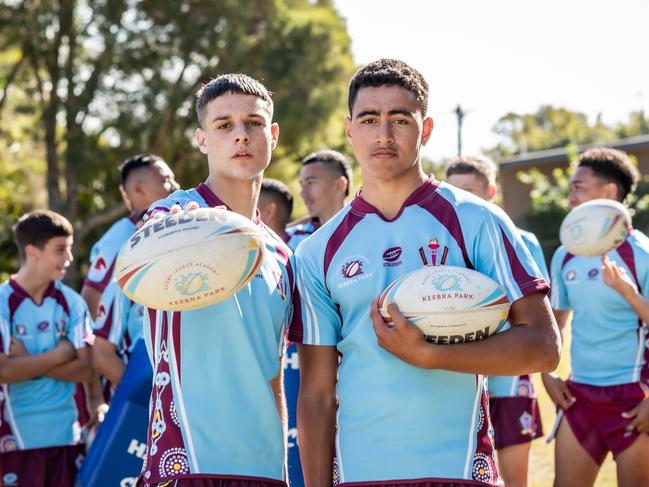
325, 182
275, 206
43, 328
408, 411
605, 400
513, 406
218, 416
145, 178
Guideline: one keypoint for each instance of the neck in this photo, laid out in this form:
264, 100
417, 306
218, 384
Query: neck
32, 283
327, 214
388, 196
240, 195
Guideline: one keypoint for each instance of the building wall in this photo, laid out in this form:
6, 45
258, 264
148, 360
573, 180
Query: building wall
516, 195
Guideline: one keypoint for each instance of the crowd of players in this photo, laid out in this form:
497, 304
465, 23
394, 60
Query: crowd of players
377, 403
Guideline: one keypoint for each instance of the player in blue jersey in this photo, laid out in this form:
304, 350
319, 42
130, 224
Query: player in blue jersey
325, 182
275, 206
409, 411
44, 326
513, 406
217, 410
605, 399
145, 178
118, 327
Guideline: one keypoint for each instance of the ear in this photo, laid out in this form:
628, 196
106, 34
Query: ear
491, 191
199, 135
341, 183
611, 191
274, 134
127, 201
427, 130
32, 252
348, 127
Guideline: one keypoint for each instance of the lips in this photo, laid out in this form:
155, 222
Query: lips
384, 154
242, 155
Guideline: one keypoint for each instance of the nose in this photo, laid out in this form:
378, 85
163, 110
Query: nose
69, 255
384, 134
241, 135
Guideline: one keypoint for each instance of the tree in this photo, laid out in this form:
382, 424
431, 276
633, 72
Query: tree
106, 79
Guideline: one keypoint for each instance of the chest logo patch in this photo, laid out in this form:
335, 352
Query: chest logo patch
43, 326
354, 270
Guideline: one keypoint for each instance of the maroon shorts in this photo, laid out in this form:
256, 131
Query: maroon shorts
596, 417
515, 420
213, 482
55, 465
417, 483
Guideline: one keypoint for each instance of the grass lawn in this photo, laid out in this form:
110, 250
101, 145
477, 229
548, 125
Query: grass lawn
542, 458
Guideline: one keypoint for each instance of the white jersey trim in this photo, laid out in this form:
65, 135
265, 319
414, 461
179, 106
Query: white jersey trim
476, 405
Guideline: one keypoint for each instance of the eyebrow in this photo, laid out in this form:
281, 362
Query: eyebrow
219, 118
394, 111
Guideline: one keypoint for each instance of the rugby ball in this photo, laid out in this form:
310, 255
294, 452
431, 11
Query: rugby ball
190, 259
448, 304
595, 227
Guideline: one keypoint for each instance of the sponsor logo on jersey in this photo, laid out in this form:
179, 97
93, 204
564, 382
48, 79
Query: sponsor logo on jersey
392, 257
43, 326
571, 276
434, 247
21, 330
100, 264
593, 273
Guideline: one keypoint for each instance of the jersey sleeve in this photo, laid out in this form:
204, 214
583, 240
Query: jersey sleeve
133, 314
319, 320
500, 253
80, 329
5, 335
533, 245
102, 262
558, 294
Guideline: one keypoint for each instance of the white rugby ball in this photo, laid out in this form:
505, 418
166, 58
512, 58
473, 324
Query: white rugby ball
595, 227
448, 304
190, 260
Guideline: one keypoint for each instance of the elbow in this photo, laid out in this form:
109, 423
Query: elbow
550, 353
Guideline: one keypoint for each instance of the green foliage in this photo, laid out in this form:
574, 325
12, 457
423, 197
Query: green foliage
99, 81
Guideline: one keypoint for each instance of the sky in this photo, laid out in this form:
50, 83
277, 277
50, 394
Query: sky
501, 56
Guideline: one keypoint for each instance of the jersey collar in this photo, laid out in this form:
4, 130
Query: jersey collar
213, 201
423, 192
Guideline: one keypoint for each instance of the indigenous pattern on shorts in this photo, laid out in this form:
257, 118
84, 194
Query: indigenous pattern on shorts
40, 412
212, 408
104, 253
609, 342
396, 421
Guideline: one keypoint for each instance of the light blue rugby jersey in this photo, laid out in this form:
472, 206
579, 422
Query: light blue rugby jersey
213, 412
396, 421
298, 233
608, 339
523, 385
119, 320
104, 253
40, 412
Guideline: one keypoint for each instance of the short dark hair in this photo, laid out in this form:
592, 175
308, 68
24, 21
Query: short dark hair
280, 192
333, 160
39, 227
483, 167
225, 84
613, 166
390, 72
136, 162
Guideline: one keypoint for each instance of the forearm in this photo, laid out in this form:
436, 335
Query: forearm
640, 305
519, 350
316, 422
92, 297
110, 366
27, 367
76, 370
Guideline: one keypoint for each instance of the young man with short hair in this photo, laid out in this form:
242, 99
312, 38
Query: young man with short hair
604, 402
406, 410
275, 206
44, 326
145, 178
325, 182
218, 415
513, 406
